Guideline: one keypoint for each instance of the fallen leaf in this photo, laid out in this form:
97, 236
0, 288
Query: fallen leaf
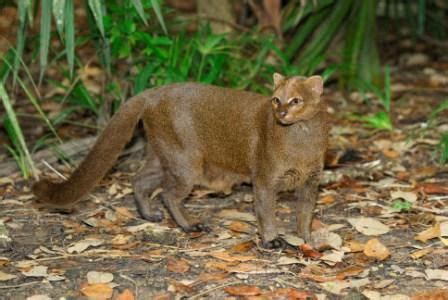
293, 240
126, 295
375, 249
289, 293
308, 251
348, 272
243, 247
234, 214
433, 188
124, 213
239, 226
94, 277
37, 271
333, 256
80, 246
355, 246
327, 199
121, 239
429, 233
38, 297
336, 287
437, 274
243, 290
6, 276
97, 291
368, 226
437, 294
177, 265
420, 253
226, 256
286, 260
323, 239
408, 196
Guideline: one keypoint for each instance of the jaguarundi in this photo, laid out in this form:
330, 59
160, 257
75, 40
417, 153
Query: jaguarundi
203, 135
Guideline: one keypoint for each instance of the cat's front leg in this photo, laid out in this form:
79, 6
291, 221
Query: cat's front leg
264, 206
306, 202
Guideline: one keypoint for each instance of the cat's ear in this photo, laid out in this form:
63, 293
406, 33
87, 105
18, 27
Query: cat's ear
316, 85
278, 79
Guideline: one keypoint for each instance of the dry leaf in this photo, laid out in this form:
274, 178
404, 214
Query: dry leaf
226, 256
420, 253
124, 212
243, 290
323, 239
429, 233
368, 226
327, 199
38, 297
437, 294
239, 226
80, 246
433, 188
121, 239
94, 277
97, 291
126, 295
349, 271
286, 260
355, 246
308, 251
333, 256
293, 240
6, 276
234, 214
243, 247
437, 274
408, 196
375, 249
177, 265
37, 271
336, 287
290, 293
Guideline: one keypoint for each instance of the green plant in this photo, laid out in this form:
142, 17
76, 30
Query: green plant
401, 205
380, 120
443, 148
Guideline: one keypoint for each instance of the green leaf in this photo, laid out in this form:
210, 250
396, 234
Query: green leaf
443, 146
69, 35
401, 205
158, 11
23, 6
45, 30
16, 128
141, 12
59, 15
380, 120
96, 7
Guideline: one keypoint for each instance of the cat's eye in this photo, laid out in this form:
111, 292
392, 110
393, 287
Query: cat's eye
295, 101
276, 101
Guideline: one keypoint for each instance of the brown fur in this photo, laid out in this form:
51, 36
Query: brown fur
214, 137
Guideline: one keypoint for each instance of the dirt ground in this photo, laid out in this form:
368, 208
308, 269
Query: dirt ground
380, 228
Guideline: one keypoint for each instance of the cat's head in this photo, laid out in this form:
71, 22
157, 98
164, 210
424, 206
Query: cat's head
296, 98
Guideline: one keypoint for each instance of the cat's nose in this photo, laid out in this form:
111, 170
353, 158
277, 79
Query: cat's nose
282, 113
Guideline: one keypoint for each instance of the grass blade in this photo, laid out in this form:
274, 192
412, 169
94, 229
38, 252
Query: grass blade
16, 127
59, 14
158, 11
45, 27
141, 12
69, 35
96, 7
22, 11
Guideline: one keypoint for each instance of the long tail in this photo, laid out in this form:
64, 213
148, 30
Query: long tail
100, 159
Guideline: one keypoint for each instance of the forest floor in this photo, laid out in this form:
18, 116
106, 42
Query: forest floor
380, 228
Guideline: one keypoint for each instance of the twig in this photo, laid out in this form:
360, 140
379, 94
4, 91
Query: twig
213, 289
133, 282
53, 169
18, 285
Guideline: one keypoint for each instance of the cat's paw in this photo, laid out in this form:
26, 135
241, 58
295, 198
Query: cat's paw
155, 216
277, 243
